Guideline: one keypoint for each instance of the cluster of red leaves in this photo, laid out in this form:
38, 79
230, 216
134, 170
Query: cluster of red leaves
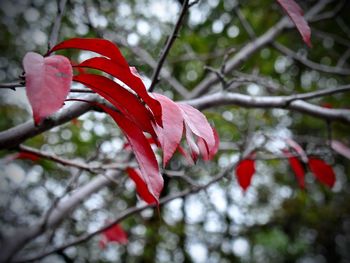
322, 171
135, 111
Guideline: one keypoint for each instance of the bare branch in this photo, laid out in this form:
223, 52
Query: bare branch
313, 65
266, 102
57, 24
250, 48
12, 85
147, 58
16, 135
168, 45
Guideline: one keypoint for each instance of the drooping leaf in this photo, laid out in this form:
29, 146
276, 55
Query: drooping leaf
199, 125
143, 152
123, 100
113, 234
141, 187
298, 170
48, 81
203, 149
341, 148
170, 134
127, 77
322, 171
297, 16
101, 46
245, 170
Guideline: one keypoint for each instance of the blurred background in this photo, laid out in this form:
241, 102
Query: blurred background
273, 221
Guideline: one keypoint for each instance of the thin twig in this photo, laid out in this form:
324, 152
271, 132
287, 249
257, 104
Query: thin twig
11, 85
57, 24
311, 64
168, 45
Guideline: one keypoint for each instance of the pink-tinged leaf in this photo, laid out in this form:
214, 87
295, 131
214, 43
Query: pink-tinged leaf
341, 148
191, 144
143, 152
322, 171
297, 16
48, 81
170, 134
298, 171
113, 234
202, 147
141, 186
245, 170
123, 100
297, 148
127, 77
199, 125
101, 46
187, 156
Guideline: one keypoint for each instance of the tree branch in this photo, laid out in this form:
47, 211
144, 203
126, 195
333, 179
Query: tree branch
16, 135
249, 49
57, 24
131, 211
168, 45
313, 65
267, 102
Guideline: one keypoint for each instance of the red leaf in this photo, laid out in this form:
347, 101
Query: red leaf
298, 171
322, 171
100, 46
22, 155
341, 148
203, 149
199, 125
123, 100
170, 134
48, 81
113, 234
141, 187
143, 152
245, 170
297, 15
297, 167
127, 77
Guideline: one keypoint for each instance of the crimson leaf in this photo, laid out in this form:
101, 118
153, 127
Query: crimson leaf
143, 152
322, 171
123, 100
298, 170
100, 46
113, 234
245, 170
48, 81
127, 77
141, 186
297, 15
